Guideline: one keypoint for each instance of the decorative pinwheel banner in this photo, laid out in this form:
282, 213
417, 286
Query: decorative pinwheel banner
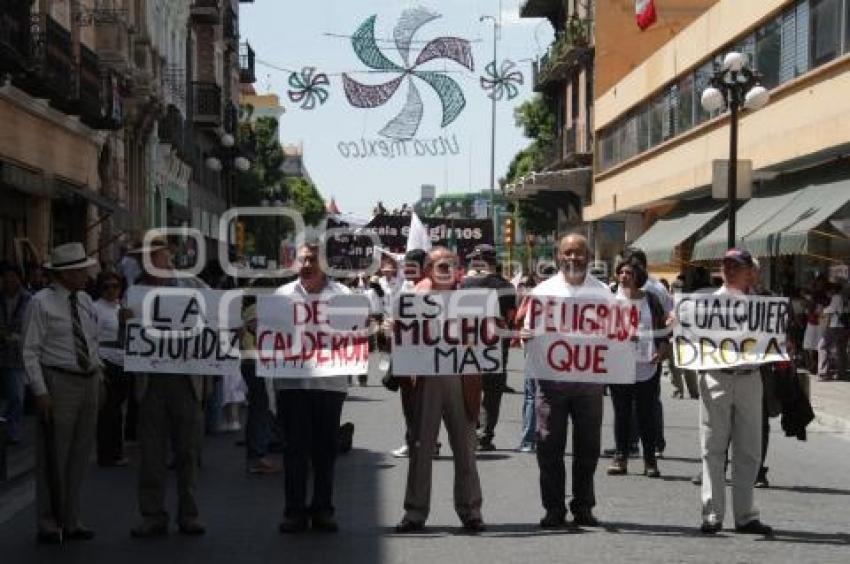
502, 82
309, 87
405, 125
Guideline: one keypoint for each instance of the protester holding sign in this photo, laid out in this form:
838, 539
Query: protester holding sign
642, 395
731, 398
309, 409
558, 402
454, 399
170, 413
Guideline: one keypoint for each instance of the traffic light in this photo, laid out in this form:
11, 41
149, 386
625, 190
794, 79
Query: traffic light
509, 234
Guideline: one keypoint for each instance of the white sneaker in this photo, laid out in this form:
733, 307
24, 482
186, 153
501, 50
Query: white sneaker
401, 452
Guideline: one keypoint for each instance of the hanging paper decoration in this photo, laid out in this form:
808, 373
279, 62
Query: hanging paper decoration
309, 87
407, 122
502, 82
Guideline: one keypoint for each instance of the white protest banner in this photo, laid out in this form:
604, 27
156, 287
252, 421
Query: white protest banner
312, 337
446, 334
719, 331
182, 331
588, 340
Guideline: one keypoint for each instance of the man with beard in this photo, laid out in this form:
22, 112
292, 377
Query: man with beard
559, 402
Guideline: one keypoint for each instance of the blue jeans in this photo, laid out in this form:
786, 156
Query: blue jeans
13, 383
529, 414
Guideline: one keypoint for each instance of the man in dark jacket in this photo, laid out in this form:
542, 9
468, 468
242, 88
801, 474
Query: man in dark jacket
13, 307
483, 261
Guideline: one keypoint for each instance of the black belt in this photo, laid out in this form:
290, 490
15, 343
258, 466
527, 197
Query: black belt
68, 372
738, 371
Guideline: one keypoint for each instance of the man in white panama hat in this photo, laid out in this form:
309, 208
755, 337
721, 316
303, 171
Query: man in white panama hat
63, 371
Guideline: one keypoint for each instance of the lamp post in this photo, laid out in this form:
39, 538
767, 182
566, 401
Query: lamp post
737, 86
496, 27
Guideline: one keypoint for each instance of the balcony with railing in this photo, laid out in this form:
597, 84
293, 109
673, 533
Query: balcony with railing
206, 104
50, 73
14, 35
570, 48
247, 64
205, 11
572, 147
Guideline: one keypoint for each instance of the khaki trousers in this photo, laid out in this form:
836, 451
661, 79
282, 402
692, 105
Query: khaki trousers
441, 397
730, 412
74, 424
170, 419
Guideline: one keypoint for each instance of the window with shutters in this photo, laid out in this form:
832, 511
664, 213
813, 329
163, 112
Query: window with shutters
802, 42
657, 115
825, 35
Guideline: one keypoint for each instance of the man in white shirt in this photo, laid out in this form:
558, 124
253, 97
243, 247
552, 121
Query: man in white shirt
309, 410
558, 402
63, 372
731, 415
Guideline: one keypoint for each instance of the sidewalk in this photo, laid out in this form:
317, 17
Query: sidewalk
831, 402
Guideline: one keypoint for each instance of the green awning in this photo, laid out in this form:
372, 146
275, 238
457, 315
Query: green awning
660, 240
779, 224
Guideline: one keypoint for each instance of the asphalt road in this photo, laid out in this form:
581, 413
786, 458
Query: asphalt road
643, 519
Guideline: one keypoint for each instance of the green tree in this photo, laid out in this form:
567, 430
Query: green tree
304, 197
538, 122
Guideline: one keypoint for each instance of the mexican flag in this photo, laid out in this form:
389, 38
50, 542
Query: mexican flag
645, 12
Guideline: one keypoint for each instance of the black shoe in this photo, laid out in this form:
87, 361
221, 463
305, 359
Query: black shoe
584, 518
408, 526
474, 526
292, 525
346, 437
80, 533
486, 445
191, 528
754, 527
49, 537
761, 480
553, 520
710, 528
324, 524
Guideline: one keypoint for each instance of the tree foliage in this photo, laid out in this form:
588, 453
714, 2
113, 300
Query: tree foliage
304, 196
538, 122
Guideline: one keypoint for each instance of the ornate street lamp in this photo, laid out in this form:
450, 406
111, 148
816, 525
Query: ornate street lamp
737, 86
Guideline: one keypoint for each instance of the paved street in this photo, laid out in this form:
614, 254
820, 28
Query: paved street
643, 519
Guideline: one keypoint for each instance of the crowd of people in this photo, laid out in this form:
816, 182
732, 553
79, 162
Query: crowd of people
65, 344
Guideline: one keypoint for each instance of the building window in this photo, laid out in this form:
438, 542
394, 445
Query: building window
768, 53
847, 26
642, 129
685, 105
657, 117
702, 80
825, 34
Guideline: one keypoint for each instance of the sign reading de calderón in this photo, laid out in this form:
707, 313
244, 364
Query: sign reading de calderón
312, 337
724, 331
591, 340
182, 331
446, 333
